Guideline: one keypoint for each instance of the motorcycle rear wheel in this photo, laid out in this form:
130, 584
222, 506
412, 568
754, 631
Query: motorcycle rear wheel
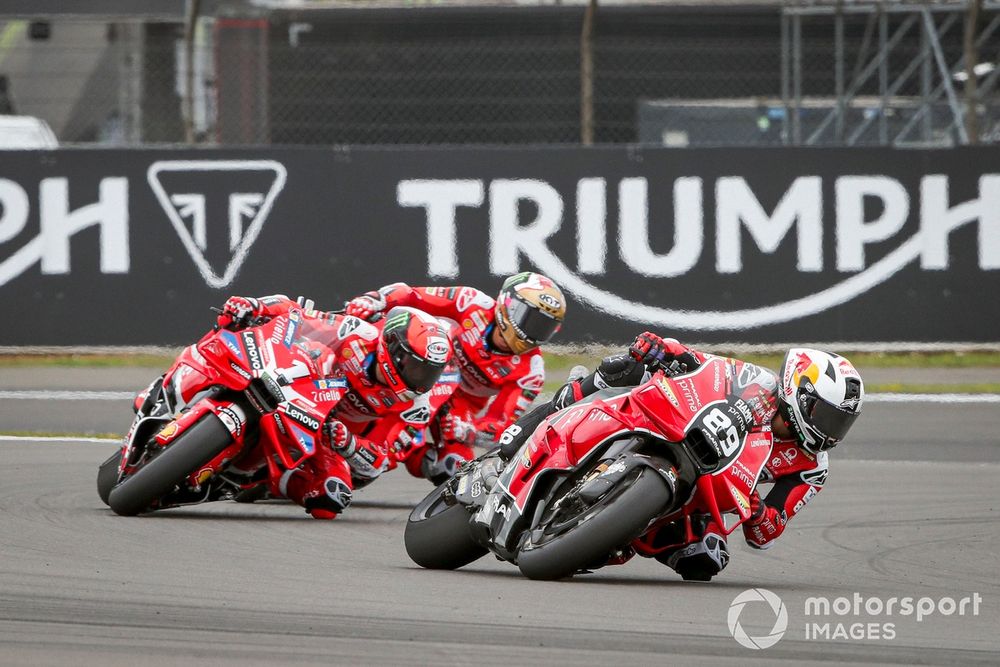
569, 542
198, 445
107, 476
438, 536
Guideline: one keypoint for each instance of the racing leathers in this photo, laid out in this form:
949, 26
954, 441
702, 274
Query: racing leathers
360, 430
695, 547
495, 387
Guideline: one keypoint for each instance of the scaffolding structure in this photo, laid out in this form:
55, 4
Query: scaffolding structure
914, 101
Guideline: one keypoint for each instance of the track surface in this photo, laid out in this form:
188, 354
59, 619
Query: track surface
264, 584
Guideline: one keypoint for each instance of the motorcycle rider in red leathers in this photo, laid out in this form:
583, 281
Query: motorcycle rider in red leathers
389, 368
496, 347
807, 410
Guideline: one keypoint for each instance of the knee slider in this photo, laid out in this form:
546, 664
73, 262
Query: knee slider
336, 496
701, 560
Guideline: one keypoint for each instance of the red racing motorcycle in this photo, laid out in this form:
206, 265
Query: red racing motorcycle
269, 385
597, 477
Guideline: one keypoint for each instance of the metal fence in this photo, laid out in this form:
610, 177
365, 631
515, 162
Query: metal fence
663, 74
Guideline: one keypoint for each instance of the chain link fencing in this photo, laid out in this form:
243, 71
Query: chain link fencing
663, 75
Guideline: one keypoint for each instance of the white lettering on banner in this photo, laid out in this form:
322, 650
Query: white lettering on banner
853, 233
591, 226
736, 207
938, 219
251, 206
57, 224
440, 199
802, 205
633, 239
505, 198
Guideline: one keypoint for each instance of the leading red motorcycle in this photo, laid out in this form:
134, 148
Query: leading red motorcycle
597, 476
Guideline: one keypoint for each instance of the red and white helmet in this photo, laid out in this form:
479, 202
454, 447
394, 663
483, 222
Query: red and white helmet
820, 397
412, 352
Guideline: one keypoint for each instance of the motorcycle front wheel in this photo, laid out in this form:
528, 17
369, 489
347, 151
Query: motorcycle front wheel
438, 536
192, 449
572, 537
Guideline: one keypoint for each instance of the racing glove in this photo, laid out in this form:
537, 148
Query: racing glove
237, 311
456, 429
653, 351
764, 524
366, 306
338, 438
365, 458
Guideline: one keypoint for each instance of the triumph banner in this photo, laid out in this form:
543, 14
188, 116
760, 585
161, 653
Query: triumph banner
115, 247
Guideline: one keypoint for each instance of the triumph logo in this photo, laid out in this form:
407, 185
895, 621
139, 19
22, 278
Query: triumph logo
182, 187
741, 221
776, 606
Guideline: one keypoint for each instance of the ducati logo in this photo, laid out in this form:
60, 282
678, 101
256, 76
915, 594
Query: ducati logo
217, 231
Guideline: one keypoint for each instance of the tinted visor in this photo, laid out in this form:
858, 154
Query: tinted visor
832, 421
531, 323
417, 374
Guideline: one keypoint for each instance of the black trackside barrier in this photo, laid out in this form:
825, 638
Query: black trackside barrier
117, 247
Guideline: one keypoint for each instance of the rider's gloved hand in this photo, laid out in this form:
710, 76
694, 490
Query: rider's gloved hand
649, 348
619, 370
455, 429
366, 306
339, 438
763, 525
238, 310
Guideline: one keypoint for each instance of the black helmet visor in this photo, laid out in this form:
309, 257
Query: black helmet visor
530, 322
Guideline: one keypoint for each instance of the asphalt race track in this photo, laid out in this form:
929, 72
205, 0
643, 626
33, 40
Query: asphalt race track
910, 510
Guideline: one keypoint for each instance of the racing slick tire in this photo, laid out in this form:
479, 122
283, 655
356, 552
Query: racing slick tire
438, 536
196, 446
567, 542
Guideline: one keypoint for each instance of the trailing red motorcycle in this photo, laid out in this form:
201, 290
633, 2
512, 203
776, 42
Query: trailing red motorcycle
269, 385
596, 477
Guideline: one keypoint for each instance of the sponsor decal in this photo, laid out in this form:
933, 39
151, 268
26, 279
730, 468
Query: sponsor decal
306, 441
240, 370
348, 325
232, 418
416, 415
815, 477
293, 327
231, 342
809, 495
668, 390
331, 383
355, 400
739, 471
691, 397
368, 455
437, 349
279, 423
500, 508
550, 301
296, 414
741, 501
182, 187
168, 432
253, 352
